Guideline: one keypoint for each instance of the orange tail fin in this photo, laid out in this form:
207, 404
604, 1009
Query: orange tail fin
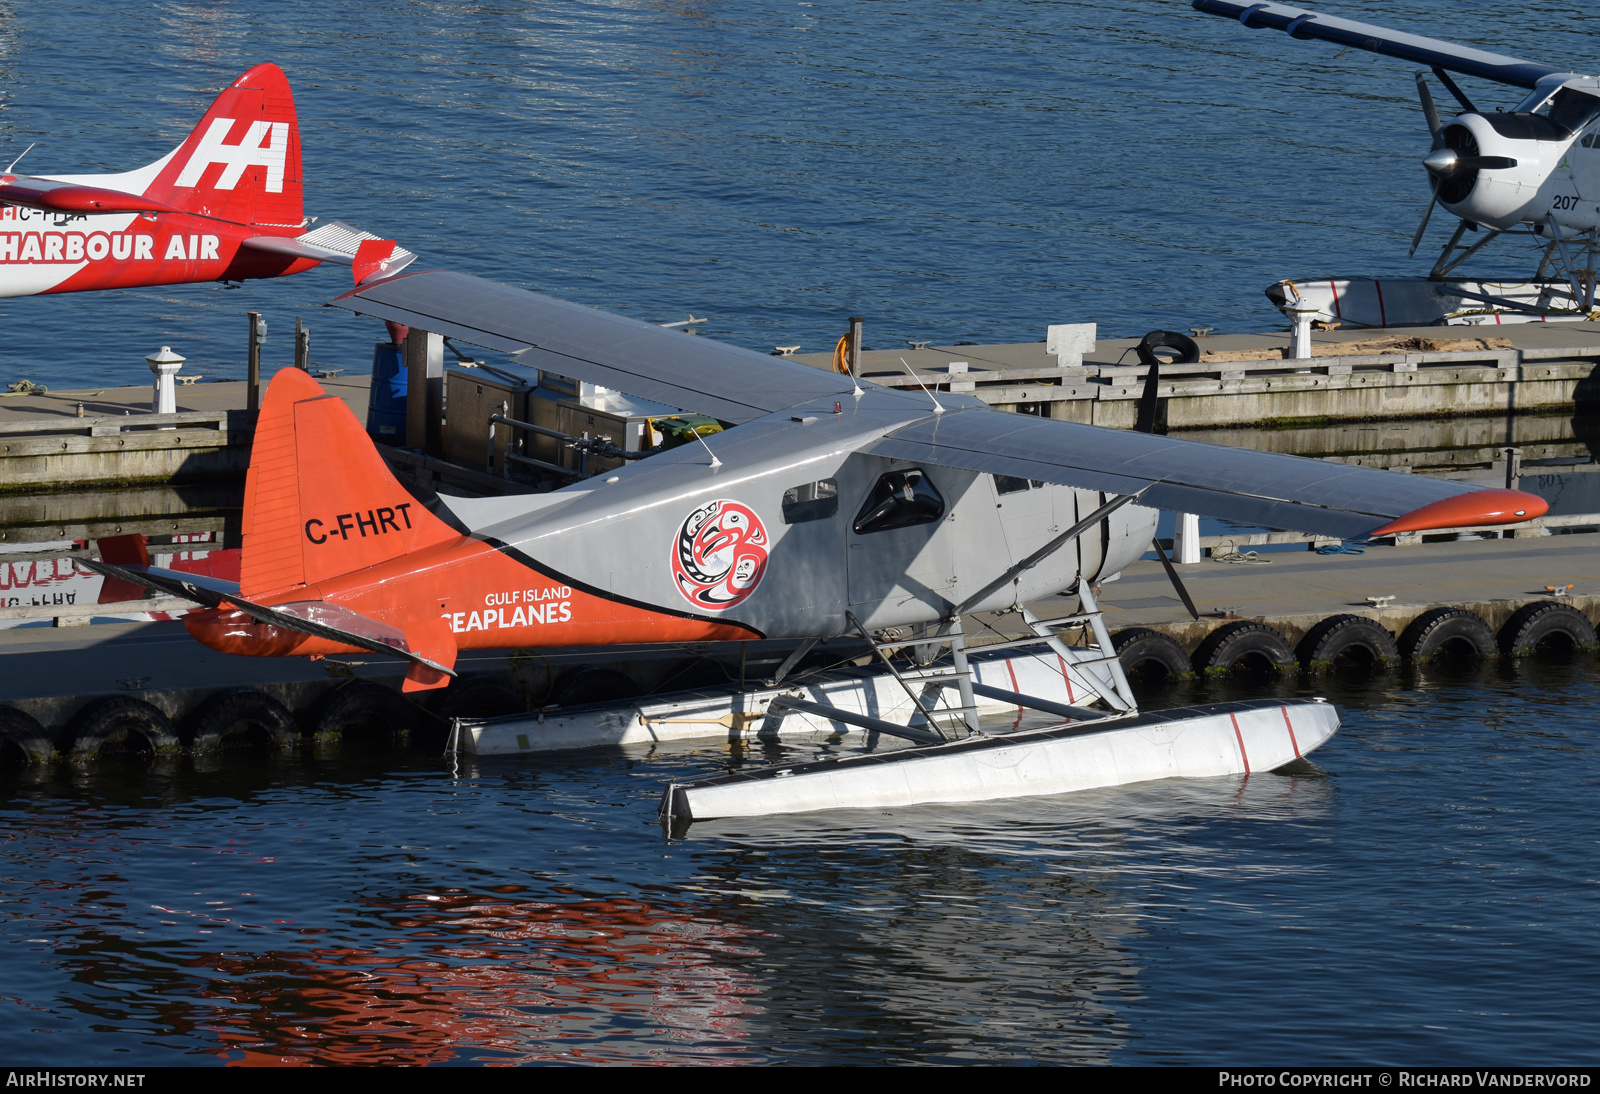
319, 501
242, 162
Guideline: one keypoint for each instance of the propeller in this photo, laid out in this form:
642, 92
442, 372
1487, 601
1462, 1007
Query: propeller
1430, 112
1446, 164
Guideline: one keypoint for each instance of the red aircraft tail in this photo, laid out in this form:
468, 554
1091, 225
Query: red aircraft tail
319, 502
242, 162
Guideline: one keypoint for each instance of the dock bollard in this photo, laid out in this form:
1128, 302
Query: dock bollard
1186, 539
165, 364
1300, 340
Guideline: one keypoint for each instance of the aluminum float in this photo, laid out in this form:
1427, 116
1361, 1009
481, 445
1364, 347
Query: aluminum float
1113, 750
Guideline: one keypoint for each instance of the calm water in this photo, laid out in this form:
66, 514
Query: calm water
960, 171
951, 171
1425, 895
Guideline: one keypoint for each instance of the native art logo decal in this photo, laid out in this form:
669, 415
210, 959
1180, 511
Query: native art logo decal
719, 555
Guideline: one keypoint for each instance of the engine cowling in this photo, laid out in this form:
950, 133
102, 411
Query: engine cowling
1500, 197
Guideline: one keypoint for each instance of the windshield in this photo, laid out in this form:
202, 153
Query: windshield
1569, 108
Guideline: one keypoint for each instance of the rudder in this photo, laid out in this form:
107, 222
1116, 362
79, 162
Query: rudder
242, 162
319, 501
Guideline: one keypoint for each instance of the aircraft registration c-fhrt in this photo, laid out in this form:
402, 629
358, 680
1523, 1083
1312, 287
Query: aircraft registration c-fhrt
1532, 168
824, 504
225, 205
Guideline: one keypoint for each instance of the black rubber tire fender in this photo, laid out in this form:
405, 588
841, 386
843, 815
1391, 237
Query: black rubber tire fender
22, 731
1138, 647
361, 709
1534, 625
1339, 635
114, 720
1232, 643
240, 716
478, 696
593, 684
1441, 629
1183, 349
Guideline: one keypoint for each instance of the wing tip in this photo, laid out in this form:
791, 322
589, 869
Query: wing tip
1493, 506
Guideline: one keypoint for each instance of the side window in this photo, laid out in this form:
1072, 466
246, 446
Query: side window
900, 499
813, 501
1010, 484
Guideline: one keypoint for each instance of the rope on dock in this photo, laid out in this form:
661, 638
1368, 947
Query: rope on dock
1238, 558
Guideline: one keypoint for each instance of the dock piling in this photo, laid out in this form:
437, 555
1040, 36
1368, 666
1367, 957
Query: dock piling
257, 339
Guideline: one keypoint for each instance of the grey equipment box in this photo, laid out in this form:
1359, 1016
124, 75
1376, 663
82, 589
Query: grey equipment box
588, 410
470, 397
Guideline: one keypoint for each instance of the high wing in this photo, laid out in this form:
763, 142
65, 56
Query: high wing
1263, 488
729, 382
739, 385
1433, 52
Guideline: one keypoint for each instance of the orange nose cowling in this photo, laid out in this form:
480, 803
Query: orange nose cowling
1467, 510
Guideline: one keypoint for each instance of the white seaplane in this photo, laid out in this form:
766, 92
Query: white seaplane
1532, 169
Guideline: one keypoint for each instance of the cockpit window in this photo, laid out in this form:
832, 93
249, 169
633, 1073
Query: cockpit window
1009, 484
1569, 108
900, 499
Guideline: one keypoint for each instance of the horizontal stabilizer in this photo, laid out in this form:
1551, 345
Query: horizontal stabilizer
1433, 52
1263, 488
317, 618
333, 242
209, 591
645, 360
66, 197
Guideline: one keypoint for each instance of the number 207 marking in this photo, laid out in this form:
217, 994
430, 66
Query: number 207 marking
1564, 201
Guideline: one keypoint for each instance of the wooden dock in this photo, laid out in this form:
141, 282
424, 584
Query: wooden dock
1243, 380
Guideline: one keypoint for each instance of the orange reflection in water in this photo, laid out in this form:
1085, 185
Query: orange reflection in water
510, 981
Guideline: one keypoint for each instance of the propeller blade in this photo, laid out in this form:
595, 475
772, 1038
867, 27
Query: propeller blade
1416, 240
1430, 111
1485, 163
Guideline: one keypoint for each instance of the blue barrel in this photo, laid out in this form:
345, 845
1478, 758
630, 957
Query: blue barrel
386, 401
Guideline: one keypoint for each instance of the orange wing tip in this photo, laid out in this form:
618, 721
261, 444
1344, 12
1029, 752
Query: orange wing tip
291, 385
1469, 510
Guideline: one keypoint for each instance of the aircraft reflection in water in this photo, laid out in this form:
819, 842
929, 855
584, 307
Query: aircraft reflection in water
499, 978
738, 964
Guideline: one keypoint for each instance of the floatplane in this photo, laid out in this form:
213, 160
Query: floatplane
828, 507
1530, 168
225, 205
